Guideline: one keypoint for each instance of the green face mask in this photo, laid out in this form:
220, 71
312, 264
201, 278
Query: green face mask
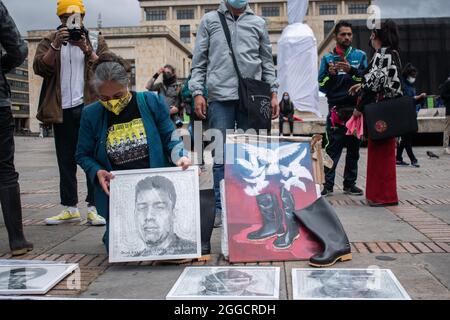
116, 106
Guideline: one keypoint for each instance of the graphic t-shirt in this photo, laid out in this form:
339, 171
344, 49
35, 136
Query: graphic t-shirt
126, 144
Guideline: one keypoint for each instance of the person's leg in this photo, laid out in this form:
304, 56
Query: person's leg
9, 186
281, 122
336, 143
291, 126
400, 148
351, 163
447, 134
221, 115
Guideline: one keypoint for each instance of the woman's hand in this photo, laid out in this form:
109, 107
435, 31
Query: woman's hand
357, 113
354, 90
184, 163
104, 178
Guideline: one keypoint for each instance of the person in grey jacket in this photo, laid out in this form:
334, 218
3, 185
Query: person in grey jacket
212, 67
13, 55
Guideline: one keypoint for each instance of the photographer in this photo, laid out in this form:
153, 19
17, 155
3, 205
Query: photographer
63, 59
170, 90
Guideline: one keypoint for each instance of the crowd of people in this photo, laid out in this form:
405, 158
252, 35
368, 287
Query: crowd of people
103, 126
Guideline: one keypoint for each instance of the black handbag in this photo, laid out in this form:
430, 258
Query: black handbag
254, 95
391, 118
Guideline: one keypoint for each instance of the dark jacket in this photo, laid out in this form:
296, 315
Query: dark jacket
50, 106
91, 151
16, 52
336, 87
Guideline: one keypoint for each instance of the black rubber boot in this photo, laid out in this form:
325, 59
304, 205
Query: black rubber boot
292, 227
12, 214
272, 218
320, 218
207, 211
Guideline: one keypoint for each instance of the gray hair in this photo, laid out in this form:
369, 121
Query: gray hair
110, 71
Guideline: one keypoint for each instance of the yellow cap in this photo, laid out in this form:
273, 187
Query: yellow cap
70, 6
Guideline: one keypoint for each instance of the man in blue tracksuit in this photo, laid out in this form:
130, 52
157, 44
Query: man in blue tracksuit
339, 71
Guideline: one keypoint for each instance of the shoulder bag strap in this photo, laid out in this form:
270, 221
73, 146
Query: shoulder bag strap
228, 36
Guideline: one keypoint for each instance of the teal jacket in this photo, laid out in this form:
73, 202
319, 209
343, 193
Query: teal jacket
91, 150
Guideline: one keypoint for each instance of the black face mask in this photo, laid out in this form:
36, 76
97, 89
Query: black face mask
168, 78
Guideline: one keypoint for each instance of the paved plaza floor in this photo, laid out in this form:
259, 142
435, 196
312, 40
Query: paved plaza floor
413, 239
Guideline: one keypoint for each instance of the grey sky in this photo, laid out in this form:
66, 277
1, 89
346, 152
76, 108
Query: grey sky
41, 14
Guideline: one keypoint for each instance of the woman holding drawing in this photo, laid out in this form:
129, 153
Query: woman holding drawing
124, 131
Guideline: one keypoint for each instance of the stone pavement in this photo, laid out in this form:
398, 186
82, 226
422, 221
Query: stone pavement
413, 239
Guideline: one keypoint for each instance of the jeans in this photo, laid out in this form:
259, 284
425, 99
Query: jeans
338, 140
291, 124
406, 144
66, 140
224, 115
8, 175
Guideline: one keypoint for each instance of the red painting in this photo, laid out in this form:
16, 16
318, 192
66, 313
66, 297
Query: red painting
264, 186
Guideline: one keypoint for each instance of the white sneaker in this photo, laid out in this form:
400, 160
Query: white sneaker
66, 216
94, 219
447, 151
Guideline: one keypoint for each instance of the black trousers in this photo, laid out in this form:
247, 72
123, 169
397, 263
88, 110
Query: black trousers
8, 175
406, 142
338, 140
66, 140
291, 124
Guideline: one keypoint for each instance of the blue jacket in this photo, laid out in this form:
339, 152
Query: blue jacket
336, 87
91, 150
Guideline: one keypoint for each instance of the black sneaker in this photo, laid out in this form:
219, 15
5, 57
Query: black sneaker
354, 191
415, 164
402, 163
327, 192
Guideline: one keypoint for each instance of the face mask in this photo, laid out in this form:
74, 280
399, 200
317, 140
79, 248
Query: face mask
411, 80
286, 98
116, 106
168, 78
238, 4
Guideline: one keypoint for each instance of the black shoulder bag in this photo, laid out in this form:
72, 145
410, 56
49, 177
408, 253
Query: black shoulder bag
254, 95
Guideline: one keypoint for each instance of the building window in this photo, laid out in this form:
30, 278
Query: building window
19, 96
185, 14
328, 25
18, 85
272, 11
328, 9
358, 8
156, 14
185, 33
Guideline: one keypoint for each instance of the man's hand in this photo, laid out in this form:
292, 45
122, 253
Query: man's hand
344, 66
104, 178
161, 70
184, 163
332, 69
355, 89
173, 110
275, 106
82, 44
200, 107
62, 35
421, 96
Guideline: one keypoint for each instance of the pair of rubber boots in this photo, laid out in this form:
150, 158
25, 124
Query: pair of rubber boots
279, 222
12, 214
319, 218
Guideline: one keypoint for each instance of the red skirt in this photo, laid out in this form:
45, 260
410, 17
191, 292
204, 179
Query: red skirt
381, 183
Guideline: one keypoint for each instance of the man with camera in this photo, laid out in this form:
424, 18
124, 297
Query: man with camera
170, 89
339, 71
63, 60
